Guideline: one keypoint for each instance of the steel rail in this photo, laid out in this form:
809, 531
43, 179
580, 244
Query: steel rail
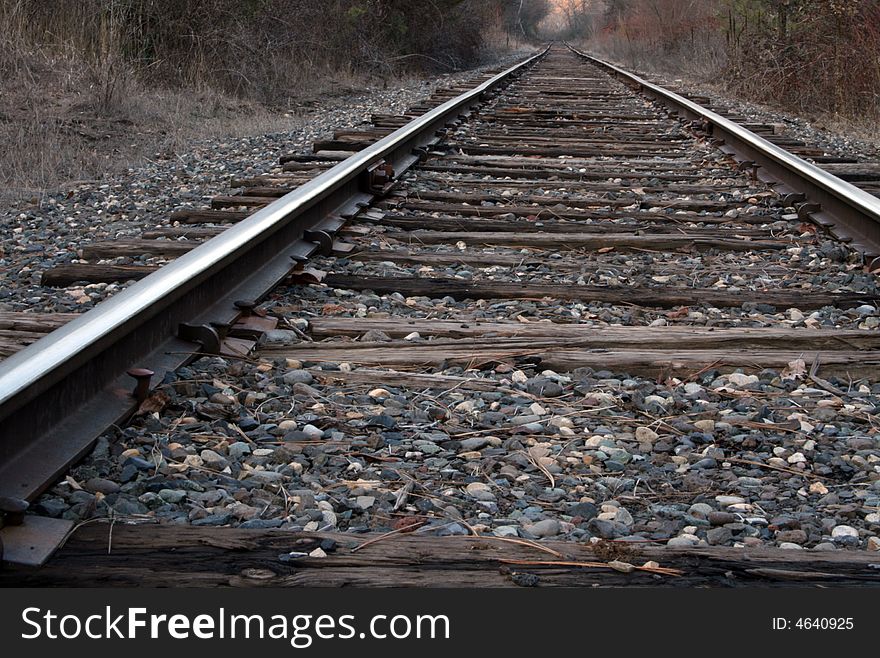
851, 214
58, 394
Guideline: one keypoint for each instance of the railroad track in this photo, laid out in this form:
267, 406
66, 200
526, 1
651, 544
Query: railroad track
546, 308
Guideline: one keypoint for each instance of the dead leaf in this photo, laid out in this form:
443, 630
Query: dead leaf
806, 227
795, 370
154, 403
308, 275
409, 523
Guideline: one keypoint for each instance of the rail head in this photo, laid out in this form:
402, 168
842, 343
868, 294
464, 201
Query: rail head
856, 211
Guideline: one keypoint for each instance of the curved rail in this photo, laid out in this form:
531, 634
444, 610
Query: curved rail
851, 213
54, 394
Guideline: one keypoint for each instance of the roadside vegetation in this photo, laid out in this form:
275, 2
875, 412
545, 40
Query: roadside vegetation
818, 58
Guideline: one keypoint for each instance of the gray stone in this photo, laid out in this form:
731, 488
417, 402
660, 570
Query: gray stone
292, 377
172, 495
532, 428
506, 531
214, 460
586, 511
214, 520
51, 507
262, 524
545, 528
718, 536
544, 387
474, 443
607, 529
101, 485
701, 510
239, 449
452, 529
279, 337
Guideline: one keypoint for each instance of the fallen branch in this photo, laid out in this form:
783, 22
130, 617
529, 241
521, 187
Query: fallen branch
590, 565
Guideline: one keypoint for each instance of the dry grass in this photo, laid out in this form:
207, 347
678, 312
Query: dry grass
91, 86
702, 59
53, 133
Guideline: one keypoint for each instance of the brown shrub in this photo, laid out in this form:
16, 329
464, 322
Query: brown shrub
817, 57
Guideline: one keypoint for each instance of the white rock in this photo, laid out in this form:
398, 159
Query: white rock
505, 531
379, 393
312, 432
707, 425
684, 541
740, 379
480, 491
729, 500
844, 531
797, 458
656, 399
645, 435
